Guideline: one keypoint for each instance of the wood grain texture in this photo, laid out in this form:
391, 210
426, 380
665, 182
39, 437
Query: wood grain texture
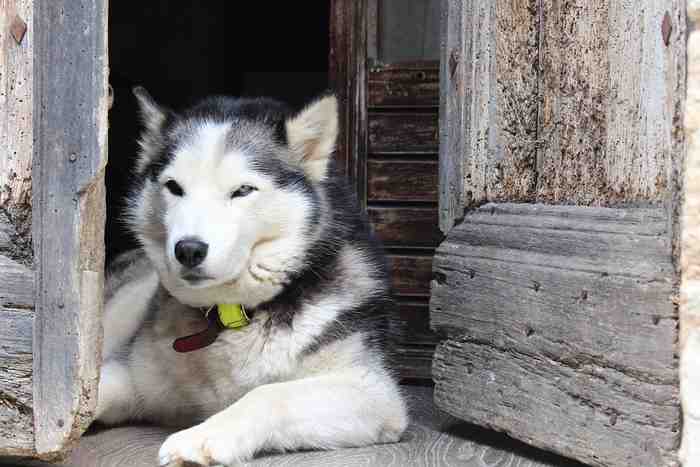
410, 274
562, 334
16, 286
70, 122
405, 85
405, 226
434, 439
16, 421
454, 119
690, 249
403, 133
610, 102
16, 255
412, 342
410, 324
16, 84
402, 180
501, 101
348, 78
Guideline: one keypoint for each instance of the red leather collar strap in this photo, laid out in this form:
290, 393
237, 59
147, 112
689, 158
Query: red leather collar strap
203, 338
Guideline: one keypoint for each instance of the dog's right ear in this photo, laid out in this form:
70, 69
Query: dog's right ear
153, 117
152, 114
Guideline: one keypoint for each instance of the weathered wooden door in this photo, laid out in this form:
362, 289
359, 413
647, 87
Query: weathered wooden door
53, 128
385, 59
561, 317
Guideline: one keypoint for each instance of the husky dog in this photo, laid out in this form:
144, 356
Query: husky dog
236, 204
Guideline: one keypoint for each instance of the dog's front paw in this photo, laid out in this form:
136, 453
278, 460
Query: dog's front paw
205, 445
270, 263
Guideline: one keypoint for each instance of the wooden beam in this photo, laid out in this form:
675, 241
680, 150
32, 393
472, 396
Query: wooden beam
16, 421
562, 330
70, 123
489, 104
16, 255
348, 77
611, 101
454, 55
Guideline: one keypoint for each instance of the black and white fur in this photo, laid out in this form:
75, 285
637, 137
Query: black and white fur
255, 183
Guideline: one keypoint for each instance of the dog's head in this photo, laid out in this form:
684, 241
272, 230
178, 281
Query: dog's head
227, 188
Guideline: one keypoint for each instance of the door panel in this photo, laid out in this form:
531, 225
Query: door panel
402, 180
405, 85
384, 60
403, 133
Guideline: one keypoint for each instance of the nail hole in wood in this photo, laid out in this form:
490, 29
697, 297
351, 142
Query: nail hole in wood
18, 29
440, 277
666, 29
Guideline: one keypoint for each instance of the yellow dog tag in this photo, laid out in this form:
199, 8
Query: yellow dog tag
233, 316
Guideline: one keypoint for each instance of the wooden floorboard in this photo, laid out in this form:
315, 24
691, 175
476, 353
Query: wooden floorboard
434, 439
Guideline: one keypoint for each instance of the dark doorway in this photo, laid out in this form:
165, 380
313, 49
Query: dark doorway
183, 51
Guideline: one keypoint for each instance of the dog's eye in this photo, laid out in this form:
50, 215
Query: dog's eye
244, 190
174, 188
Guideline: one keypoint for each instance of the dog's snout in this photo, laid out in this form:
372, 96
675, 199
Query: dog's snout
191, 252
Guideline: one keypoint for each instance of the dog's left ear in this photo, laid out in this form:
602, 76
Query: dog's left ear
312, 135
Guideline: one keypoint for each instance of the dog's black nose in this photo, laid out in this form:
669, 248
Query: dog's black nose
191, 252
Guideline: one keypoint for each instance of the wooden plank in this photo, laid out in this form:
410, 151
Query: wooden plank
348, 77
562, 335
611, 102
403, 133
402, 180
454, 120
16, 100
412, 364
394, 86
16, 255
16, 422
70, 153
689, 236
410, 325
434, 439
405, 226
16, 285
410, 274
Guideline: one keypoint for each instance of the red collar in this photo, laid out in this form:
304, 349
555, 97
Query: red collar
203, 338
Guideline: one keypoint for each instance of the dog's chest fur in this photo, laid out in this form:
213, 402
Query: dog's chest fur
200, 383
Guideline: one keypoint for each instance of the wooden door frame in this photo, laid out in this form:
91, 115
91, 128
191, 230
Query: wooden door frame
348, 77
70, 155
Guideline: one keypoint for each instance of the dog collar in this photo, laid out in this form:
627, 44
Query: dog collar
219, 318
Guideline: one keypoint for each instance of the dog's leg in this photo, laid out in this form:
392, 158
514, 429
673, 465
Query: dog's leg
352, 408
116, 400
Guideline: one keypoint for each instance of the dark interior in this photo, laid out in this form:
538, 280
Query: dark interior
183, 51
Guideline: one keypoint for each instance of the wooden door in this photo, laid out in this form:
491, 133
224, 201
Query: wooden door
560, 170
385, 59
53, 128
